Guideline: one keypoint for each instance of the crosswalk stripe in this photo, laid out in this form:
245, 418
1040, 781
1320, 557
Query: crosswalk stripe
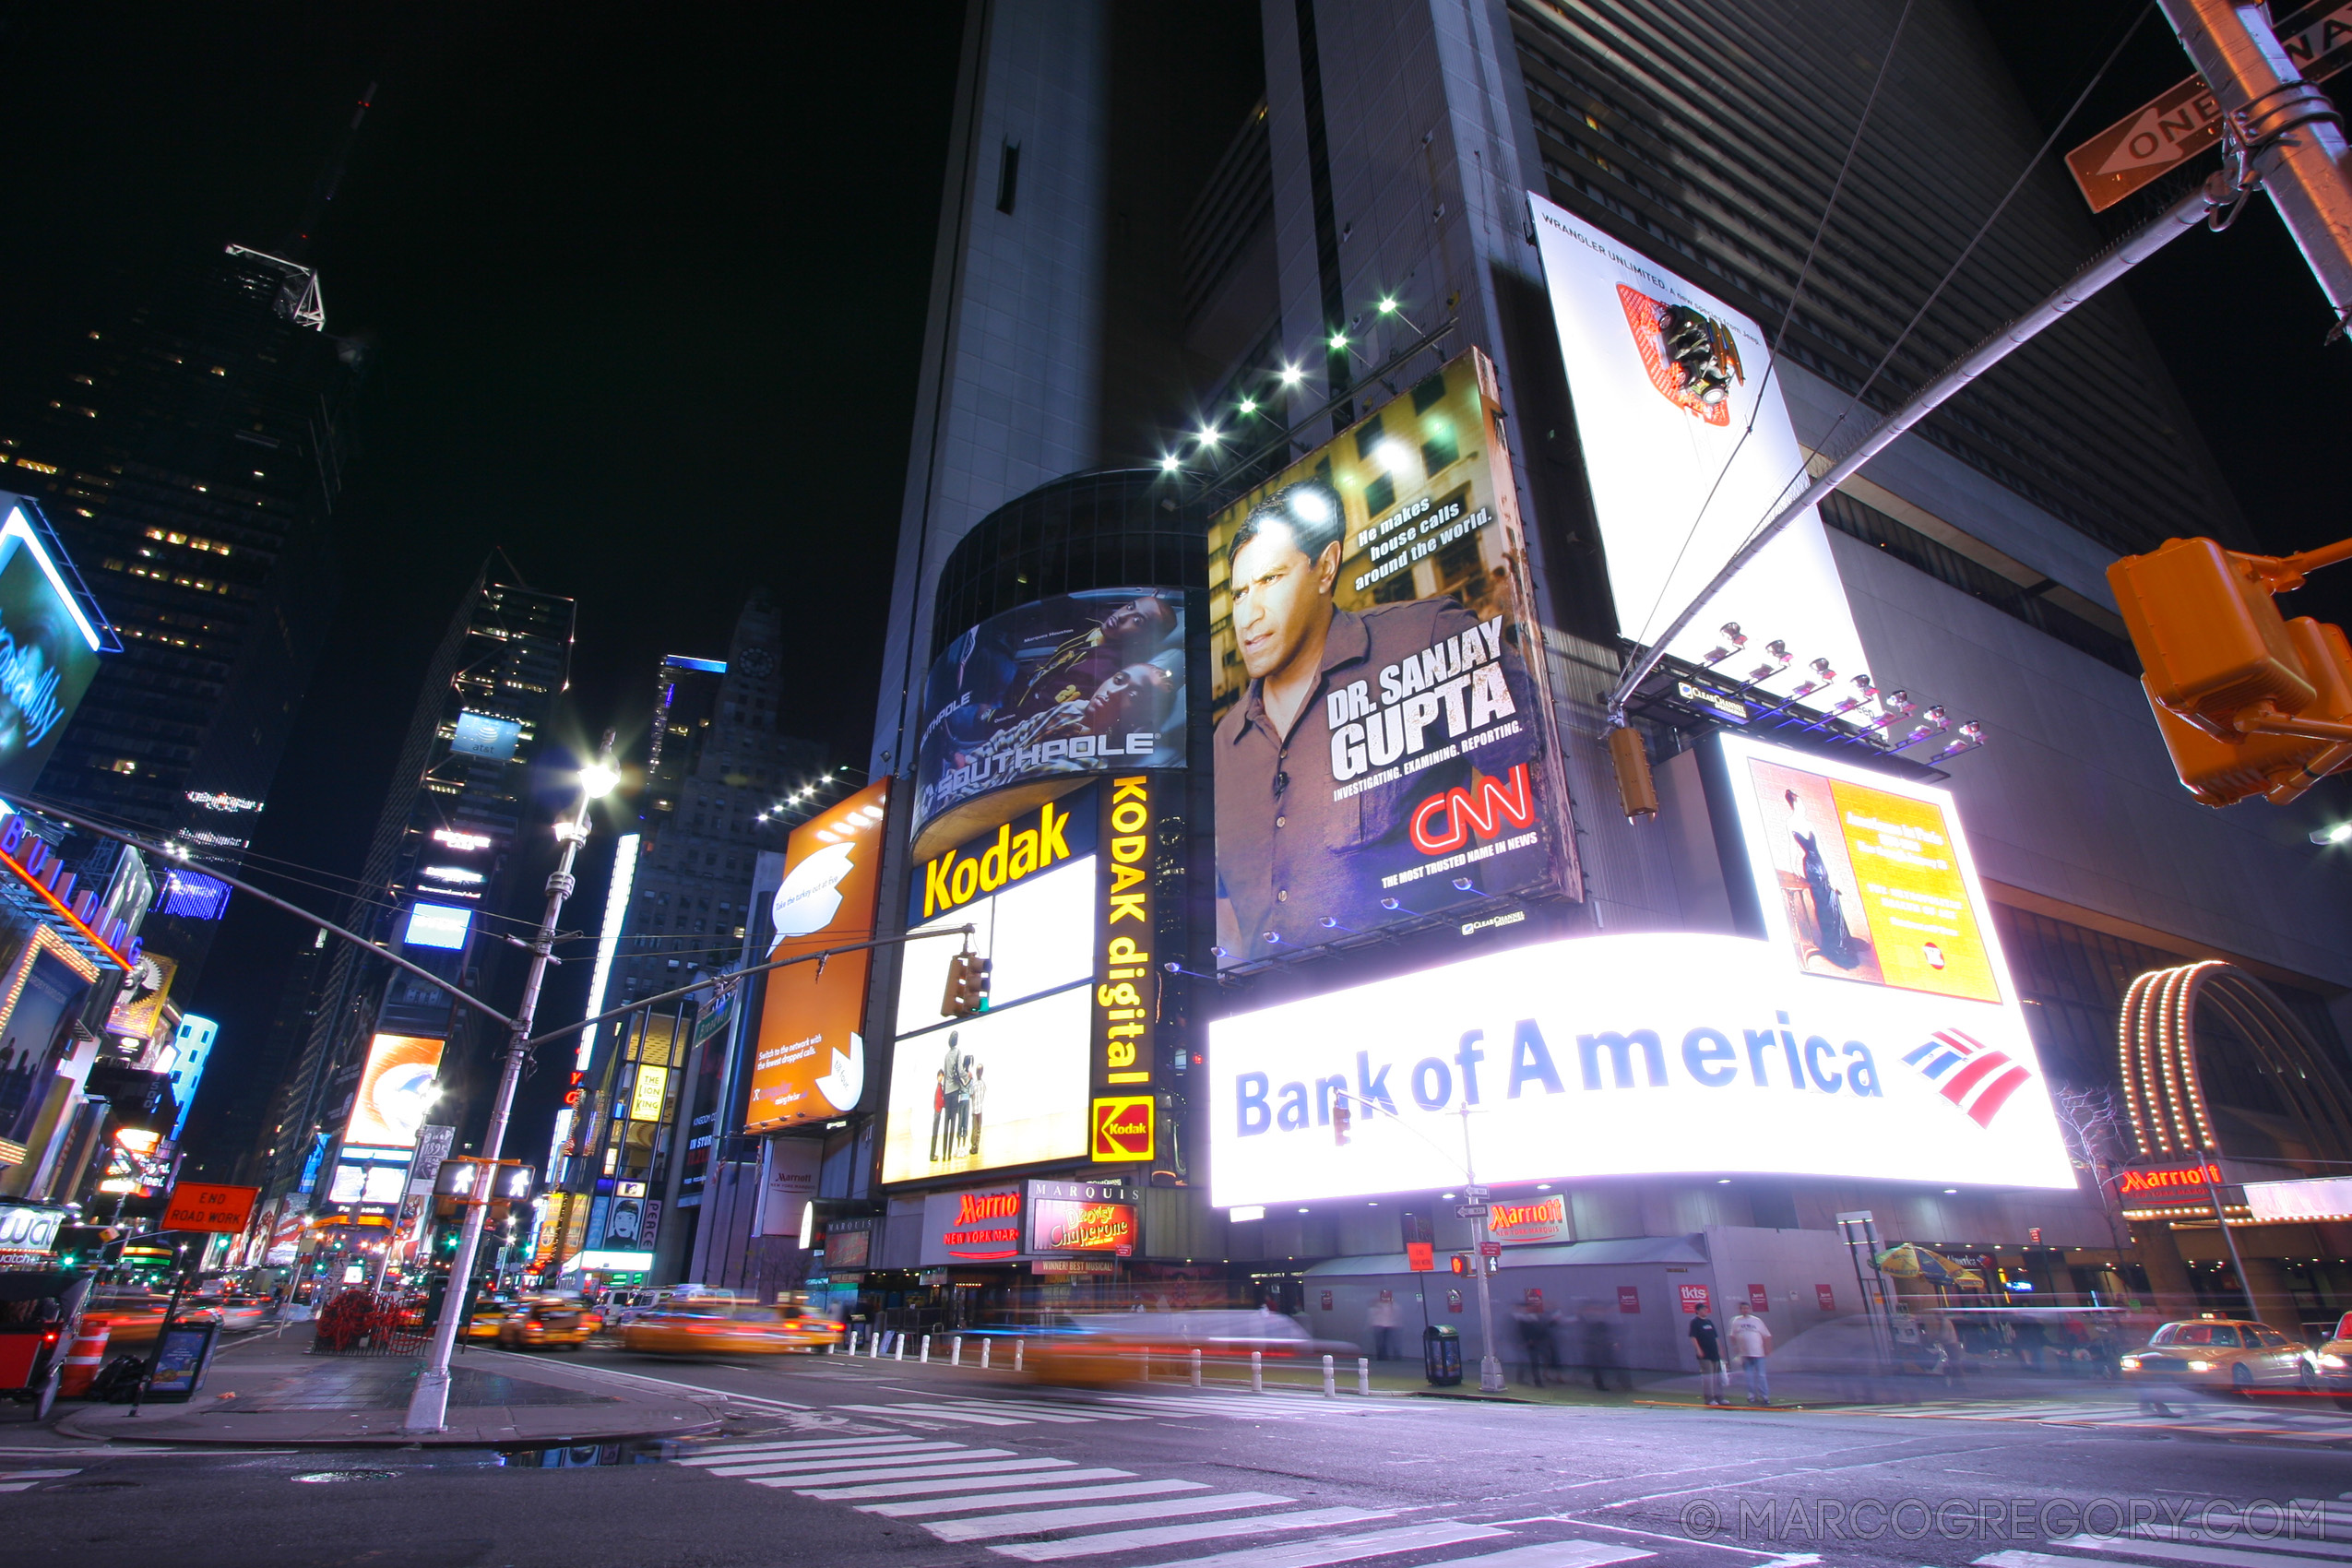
1043, 1519
2222, 1557
929, 1453
1030, 1412
801, 1444
935, 1412
969, 1483
824, 1451
2026, 1560
35, 1475
1347, 1548
1173, 1535
2291, 1542
1557, 1554
1071, 1409
973, 1468
1043, 1494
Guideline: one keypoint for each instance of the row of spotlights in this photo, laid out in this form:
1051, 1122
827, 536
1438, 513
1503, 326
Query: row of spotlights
1290, 375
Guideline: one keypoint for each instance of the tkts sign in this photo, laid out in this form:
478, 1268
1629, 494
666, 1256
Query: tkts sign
1126, 990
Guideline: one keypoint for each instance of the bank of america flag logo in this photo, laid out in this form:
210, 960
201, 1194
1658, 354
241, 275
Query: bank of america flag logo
1969, 1073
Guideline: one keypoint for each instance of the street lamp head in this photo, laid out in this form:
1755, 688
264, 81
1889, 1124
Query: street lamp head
599, 779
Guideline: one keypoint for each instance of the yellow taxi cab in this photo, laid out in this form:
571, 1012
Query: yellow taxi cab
722, 1326
2222, 1354
550, 1322
2329, 1367
488, 1316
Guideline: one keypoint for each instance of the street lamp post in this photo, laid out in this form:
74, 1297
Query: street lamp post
429, 1406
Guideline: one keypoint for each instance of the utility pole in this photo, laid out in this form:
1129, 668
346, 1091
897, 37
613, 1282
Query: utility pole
429, 1406
1490, 1364
2290, 129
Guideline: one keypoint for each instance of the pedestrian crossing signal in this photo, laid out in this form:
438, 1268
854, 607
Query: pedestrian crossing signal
1339, 1125
1461, 1263
967, 991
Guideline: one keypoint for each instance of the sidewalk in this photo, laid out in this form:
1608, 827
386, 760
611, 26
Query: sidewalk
266, 1390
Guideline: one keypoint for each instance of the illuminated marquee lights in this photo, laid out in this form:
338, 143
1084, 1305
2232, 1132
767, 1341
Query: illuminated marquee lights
457, 840
39, 869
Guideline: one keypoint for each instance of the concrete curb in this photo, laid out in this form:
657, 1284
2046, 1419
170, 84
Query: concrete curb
493, 1426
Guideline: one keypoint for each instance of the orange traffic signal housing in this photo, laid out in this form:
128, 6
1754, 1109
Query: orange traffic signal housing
2248, 702
2222, 773
2208, 633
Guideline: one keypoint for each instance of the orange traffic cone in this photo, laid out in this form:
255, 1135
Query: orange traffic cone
83, 1357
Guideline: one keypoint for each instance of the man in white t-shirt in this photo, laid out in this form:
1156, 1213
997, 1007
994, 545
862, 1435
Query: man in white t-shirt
1749, 1339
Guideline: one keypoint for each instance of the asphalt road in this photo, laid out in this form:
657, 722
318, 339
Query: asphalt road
831, 1461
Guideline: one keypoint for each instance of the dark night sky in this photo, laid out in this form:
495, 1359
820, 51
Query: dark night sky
646, 286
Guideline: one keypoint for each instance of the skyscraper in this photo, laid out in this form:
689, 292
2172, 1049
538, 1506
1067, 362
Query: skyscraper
1359, 249
190, 448
445, 879
719, 775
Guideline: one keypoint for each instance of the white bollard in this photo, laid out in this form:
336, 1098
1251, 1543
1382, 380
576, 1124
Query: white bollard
1196, 1369
874, 1345
986, 1345
923, 1356
1330, 1389
899, 1344
1257, 1371
1363, 1377
955, 1351
1016, 1353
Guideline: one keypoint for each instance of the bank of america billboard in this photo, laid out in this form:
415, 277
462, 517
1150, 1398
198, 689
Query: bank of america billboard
1688, 448
1384, 748
1872, 1032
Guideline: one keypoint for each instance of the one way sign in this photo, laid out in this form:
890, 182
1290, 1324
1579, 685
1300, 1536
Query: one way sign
2184, 120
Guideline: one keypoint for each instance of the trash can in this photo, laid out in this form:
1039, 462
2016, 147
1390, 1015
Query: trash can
1442, 1355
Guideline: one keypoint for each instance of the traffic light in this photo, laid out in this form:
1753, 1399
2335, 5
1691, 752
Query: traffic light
2248, 703
1461, 1263
1340, 1124
967, 991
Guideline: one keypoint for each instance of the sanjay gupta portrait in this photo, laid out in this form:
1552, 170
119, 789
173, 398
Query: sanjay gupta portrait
1368, 746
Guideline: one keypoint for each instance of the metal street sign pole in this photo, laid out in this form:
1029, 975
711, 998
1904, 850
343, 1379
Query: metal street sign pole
2185, 119
2291, 131
1490, 1364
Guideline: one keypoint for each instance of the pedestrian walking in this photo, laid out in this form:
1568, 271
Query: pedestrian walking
1600, 1350
1751, 1342
1383, 1326
1712, 1386
1535, 1340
